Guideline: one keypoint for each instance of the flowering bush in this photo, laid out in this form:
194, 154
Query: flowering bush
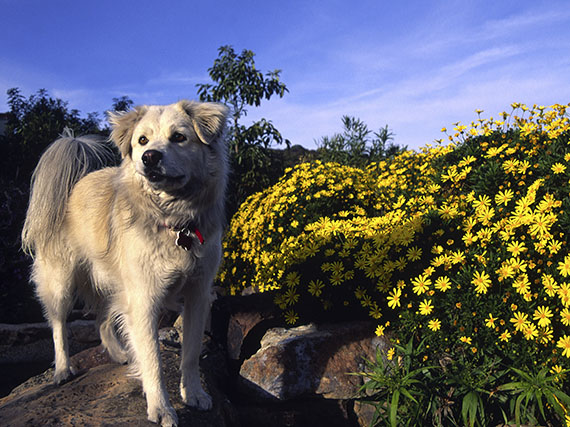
464, 245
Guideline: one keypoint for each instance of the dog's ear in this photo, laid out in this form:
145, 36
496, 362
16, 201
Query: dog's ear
209, 119
123, 124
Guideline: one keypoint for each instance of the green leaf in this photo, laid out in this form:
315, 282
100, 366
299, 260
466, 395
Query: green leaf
408, 395
394, 409
518, 409
469, 408
538, 396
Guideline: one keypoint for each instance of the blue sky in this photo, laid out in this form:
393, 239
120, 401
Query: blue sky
415, 65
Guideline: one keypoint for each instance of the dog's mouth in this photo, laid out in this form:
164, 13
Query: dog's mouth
156, 177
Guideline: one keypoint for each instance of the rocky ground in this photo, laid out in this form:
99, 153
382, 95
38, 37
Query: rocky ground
258, 375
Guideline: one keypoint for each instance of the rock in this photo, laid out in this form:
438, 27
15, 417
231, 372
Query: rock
311, 361
364, 413
103, 394
239, 326
170, 336
32, 342
242, 321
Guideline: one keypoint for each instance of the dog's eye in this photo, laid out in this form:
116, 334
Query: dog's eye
143, 140
177, 137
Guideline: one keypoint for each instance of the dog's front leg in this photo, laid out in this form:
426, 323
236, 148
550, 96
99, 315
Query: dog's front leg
197, 300
142, 331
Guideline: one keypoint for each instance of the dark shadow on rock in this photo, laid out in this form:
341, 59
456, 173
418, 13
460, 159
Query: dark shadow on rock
103, 394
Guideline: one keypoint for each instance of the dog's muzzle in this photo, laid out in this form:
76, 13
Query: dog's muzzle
153, 171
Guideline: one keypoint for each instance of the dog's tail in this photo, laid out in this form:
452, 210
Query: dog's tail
64, 162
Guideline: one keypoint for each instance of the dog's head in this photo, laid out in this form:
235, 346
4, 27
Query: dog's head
172, 146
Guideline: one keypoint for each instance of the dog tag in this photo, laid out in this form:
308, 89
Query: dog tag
184, 239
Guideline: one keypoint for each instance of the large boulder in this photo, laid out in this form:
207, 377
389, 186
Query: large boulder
311, 361
102, 393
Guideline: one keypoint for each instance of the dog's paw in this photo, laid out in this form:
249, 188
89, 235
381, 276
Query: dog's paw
166, 416
196, 397
63, 375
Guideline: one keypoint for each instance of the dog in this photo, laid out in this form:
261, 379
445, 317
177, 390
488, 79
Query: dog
134, 238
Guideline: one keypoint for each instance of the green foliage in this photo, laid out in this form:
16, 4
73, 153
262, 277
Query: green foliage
357, 145
464, 246
528, 394
239, 84
17, 299
458, 392
123, 103
398, 389
33, 124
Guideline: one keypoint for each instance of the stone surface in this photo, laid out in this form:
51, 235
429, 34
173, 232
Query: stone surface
32, 342
239, 326
242, 320
311, 361
103, 394
277, 377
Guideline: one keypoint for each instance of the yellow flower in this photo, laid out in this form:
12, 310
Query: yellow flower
420, 284
504, 272
564, 344
375, 311
426, 307
380, 330
565, 317
505, 336
490, 321
545, 335
291, 317
519, 321
558, 168
557, 370
291, 296
549, 284
564, 267
465, 339
542, 314
316, 287
482, 281
390, 354
292, 279
442, 283
516, 248
394, 298
554, 246
337, 267
482, 201
337, 278
529, 331
414, 253
458, 257
434, 325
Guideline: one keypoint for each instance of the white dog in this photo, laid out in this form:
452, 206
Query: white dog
134, 238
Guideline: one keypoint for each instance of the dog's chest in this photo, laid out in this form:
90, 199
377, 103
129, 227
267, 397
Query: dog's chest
173, 252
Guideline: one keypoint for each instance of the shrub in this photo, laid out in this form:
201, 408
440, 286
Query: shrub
464, 245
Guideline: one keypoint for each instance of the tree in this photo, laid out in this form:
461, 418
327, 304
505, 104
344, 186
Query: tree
239, 84
123, 103
33, 124
357, 145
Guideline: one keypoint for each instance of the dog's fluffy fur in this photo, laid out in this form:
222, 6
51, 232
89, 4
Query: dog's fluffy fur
108, 234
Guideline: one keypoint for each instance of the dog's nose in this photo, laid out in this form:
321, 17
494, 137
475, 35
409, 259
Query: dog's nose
151, 157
